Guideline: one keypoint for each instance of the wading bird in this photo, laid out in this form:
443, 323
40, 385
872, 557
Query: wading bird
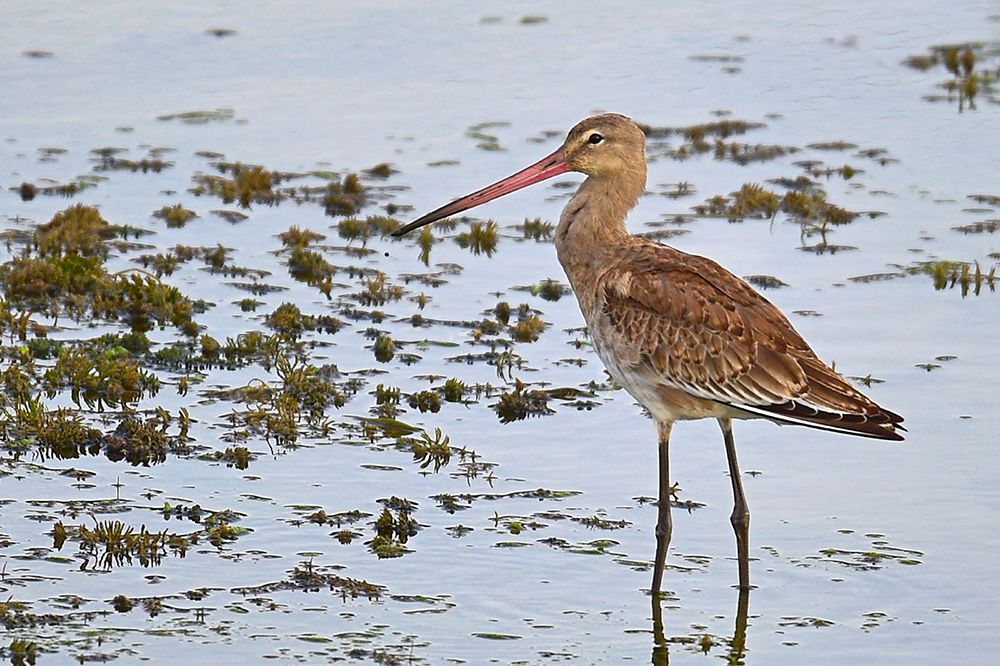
684, 336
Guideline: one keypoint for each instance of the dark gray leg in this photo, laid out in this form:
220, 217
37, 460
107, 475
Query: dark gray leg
664, 526
741, 512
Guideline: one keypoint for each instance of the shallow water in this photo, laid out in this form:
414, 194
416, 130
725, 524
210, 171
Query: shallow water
347, 87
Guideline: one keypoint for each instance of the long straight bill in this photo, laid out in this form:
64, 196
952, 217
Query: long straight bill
553, 165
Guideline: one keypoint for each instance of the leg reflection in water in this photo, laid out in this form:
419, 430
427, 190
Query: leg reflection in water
737, 645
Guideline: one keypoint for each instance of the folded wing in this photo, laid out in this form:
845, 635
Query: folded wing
702, 330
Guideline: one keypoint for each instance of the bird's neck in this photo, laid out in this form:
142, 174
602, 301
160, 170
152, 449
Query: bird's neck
593, 224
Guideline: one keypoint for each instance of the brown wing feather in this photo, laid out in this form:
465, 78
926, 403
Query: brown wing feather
705, 331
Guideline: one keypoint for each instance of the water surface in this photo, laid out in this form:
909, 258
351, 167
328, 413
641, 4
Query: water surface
865, 551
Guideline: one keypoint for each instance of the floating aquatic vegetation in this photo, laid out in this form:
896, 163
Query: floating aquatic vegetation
714, 57
745, 153
765, 281
480, 238
987, 227
678, 190
452, 503
216, 260
28, 191
200, 117
77, 230
107, 160
393, 529
425, 401
969, 277
521, 403
65, 275
378, 291
298, 238
947, 275
140, 442
832, 145
697, 134
380, 171
248, 184
112, 543
599, 522
353, 228
484, 140
295, 405
310, 267
98, 380
234, 456
846, 172
536, 229
528, 327
59, 434
309, 577
454, 390
961, 61
752, 200
878, 155
63, 434
175, 216
230, 216
808, 207
548, 289
344, 197
986, 199
880, 554
384, 348
287, 320
430, 451
800, 183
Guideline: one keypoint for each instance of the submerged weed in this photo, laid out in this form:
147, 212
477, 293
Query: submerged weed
480, 238
378, 291
175, 216
99, 380
384, 348
310, 267
521, 403
454, 390
308, 577
296, 237
111, 543
806, 206
287, 320
392, 531
960, 60
247, 185
354, 228
65, 274
344, 197
947, 275
200, 117
536, 229
431, 451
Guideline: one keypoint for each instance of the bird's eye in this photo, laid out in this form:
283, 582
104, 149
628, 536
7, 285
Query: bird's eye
595, 138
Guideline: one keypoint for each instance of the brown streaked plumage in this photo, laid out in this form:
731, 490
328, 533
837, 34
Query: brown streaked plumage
684, 336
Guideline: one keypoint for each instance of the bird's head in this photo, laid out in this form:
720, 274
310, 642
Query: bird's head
609, 146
